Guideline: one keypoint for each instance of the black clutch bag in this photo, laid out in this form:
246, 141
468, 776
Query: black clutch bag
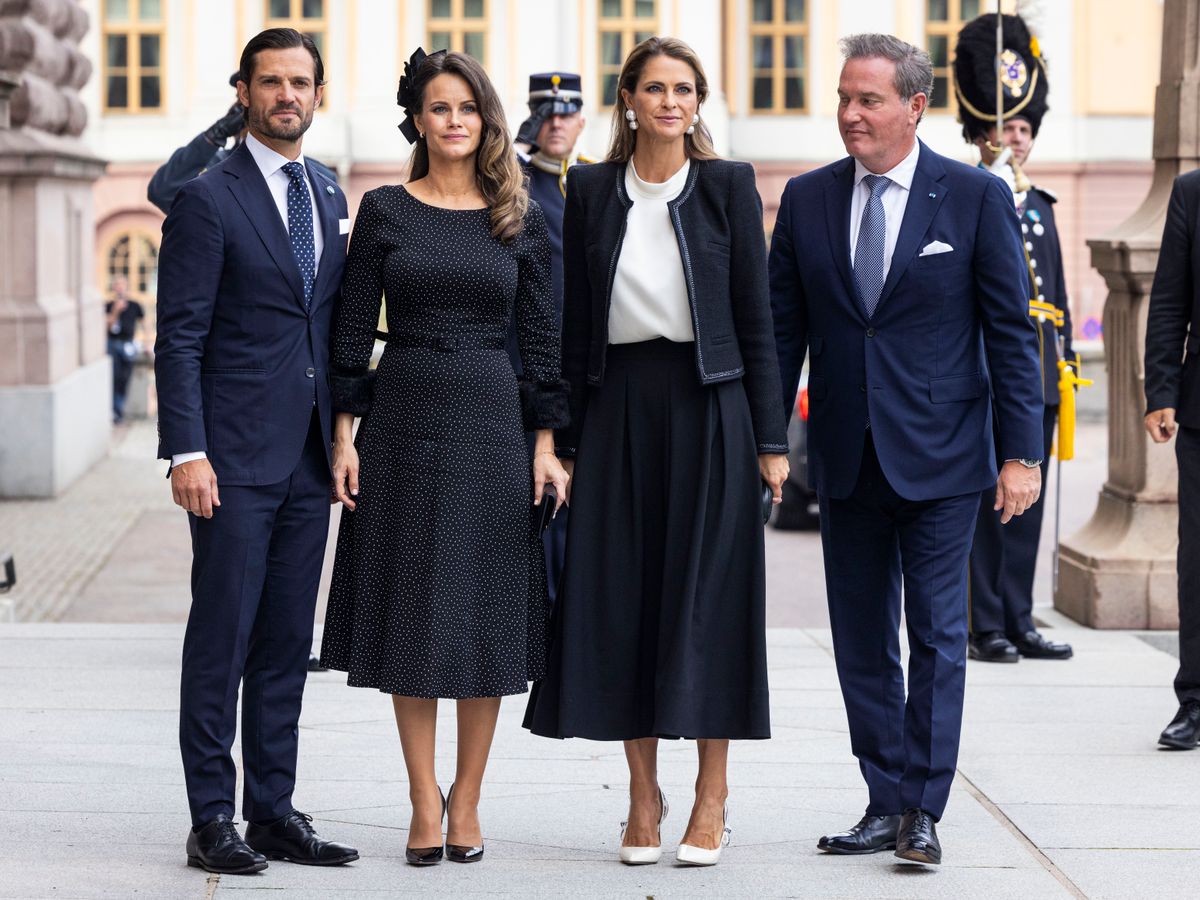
543, 513
767, 505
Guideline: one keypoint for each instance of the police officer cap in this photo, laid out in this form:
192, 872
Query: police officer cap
1022, 76
563, 89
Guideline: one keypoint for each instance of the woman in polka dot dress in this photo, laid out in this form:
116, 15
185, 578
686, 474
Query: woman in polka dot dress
439, 581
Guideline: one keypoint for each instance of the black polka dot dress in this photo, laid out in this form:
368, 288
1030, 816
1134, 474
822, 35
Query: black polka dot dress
439, 580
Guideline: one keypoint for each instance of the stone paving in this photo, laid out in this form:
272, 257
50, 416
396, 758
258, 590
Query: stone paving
1060, 792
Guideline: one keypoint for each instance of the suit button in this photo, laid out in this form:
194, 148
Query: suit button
870, 332
310, 371
862, 388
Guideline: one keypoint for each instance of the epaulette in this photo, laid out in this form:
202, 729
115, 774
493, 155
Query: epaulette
585, 159
1047, 193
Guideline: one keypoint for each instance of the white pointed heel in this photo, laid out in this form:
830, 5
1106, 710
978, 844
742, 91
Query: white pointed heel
689, 855
645, 856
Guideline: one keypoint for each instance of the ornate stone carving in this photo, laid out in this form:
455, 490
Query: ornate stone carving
38, 44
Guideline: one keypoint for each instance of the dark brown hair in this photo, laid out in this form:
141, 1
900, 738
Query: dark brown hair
496, 168
624, 138
279, 39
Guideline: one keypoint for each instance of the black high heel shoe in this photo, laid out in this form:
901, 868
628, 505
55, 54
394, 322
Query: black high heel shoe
457, 852
426, 856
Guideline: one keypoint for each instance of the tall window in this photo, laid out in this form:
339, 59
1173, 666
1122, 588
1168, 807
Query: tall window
459, 25
133, 63
623, 25
306, 16
943, 20
778, 45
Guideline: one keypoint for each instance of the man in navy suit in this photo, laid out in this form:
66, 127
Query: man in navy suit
249, 276
900, 274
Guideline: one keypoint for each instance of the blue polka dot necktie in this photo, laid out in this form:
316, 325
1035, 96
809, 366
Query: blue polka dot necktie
300, 226
868, 251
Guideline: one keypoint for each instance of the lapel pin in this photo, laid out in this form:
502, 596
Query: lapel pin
933, 196
329, 188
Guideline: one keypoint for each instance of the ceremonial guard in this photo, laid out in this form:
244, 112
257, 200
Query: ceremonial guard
546, 147
1004, 557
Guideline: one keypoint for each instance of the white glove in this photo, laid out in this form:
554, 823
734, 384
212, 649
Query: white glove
1002, 169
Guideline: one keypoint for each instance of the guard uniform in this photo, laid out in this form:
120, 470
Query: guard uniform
550, 93
1004, 557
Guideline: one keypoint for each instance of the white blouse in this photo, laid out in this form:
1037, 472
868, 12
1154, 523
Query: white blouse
649, 295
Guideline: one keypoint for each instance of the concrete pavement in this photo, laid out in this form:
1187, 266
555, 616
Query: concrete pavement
1061, 791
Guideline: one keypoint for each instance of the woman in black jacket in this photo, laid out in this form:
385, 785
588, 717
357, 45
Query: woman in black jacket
668, 348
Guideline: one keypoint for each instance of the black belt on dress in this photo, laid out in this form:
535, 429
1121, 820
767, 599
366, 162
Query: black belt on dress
446, 343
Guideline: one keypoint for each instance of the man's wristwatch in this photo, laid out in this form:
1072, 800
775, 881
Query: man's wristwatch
1030, 463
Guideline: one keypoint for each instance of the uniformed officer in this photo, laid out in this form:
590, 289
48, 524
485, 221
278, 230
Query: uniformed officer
202, 152
546, 146
1003, 558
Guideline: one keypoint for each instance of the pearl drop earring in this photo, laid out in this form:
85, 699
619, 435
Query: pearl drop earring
692, 127
631, 118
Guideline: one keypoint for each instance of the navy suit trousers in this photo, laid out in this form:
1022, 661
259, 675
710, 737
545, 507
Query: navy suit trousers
1004, 557
874, 542
256, 565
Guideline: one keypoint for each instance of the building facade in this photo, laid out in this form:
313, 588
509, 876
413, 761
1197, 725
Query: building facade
162, 69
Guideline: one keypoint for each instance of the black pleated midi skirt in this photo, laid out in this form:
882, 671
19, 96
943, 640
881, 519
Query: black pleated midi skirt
659, 629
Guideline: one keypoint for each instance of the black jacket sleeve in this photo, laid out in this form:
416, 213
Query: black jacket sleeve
751, 301
789, 304
1169, 318
577, 298
351, 381
543, 394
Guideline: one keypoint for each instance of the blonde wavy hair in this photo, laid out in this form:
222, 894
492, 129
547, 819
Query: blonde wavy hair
624, 138
497, 171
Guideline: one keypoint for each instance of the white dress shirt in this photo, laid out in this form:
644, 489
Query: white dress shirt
894, 200
649, 294
271, 165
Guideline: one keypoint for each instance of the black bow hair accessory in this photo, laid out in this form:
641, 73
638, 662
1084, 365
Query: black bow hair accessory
407, 96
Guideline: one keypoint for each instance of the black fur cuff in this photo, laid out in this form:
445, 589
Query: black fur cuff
544, 404
353, 393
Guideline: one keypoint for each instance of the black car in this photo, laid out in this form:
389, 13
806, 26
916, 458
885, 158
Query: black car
798, 511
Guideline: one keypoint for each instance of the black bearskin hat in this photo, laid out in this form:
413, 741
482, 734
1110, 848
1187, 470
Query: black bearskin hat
1023, 76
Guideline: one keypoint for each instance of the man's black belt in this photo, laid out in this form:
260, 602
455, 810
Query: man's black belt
446, 343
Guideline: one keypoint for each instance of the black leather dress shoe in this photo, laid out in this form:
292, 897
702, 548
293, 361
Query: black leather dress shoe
870, 835
992, 646
216, 846
314, 664
292, 838
1184, 731
917, 839
1032, 645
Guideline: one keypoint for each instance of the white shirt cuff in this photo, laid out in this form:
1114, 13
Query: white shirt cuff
180, 458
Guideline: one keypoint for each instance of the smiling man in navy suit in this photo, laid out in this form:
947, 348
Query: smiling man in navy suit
249, 277
900, 274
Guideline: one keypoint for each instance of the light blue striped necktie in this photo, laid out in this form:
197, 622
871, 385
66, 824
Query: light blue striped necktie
868, 250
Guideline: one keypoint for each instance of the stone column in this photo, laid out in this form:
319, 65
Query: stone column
55, 376
1119, 570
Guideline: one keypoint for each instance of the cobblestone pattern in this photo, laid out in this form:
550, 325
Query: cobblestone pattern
60, 544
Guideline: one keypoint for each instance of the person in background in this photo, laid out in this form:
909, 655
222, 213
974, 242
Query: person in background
1173, 410
1004, 557
546, 148
122, 315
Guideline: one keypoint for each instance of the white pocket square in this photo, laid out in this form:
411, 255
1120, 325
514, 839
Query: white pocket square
343, 226
934, 248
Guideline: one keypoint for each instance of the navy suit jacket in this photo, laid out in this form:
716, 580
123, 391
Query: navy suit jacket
240, 361
951, 335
